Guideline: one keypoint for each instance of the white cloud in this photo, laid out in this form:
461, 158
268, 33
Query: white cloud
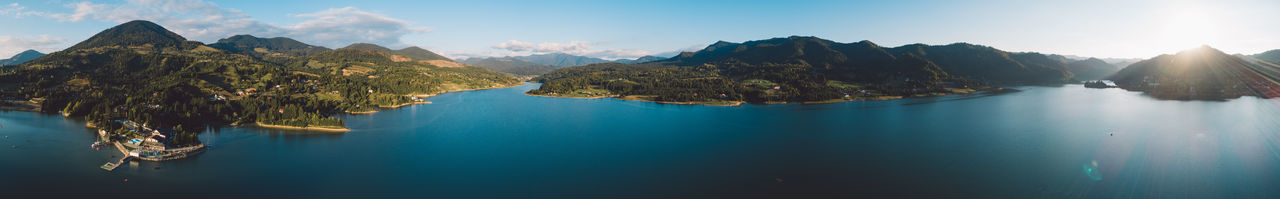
205, 21
350, 25
10, 45
573, 47
579, 48
18, 11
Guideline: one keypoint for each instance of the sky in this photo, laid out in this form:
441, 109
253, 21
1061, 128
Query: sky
630, 29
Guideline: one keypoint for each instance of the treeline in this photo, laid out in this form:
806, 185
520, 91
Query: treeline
735, 81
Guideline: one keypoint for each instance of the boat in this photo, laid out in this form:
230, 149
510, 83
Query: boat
97, 145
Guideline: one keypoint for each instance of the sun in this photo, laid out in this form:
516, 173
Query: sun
1188, 27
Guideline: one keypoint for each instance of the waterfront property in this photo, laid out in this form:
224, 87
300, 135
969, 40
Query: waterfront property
141, 142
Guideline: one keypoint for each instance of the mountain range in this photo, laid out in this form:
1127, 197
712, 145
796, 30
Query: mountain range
813, 69
1202, 73
1272, 56
542, 63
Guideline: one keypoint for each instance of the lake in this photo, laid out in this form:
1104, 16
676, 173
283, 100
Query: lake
502, 144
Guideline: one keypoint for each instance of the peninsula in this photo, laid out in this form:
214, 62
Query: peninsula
145, 74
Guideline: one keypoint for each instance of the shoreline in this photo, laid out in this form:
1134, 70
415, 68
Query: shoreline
598, 97
404, 104
19, 105
638, 98
740, 103
705, 103
424, 97
878, 98
326, 129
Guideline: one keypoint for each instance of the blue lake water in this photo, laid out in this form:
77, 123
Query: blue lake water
499, 143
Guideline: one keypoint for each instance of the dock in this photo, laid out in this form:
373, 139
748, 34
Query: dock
111, 166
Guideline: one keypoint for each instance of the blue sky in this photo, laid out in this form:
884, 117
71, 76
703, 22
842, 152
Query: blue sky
628, 29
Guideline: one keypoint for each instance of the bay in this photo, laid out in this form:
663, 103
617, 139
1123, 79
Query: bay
501, 143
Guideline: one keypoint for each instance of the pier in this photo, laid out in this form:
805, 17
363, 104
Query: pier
150, 147
111, 166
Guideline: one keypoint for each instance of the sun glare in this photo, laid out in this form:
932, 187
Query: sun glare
1187, 27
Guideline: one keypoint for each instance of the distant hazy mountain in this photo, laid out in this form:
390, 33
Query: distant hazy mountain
561, 59
543, 63
22, 57
1200, 73
1272, 56
1091, 69
510, 65
1117, 62
641, 60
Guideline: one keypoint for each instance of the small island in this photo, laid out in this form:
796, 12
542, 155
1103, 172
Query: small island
1097, 84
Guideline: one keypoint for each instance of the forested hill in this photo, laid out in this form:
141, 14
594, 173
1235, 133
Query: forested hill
282, 45
140, 71
774, 70
412, 52
814, 69
137, 34
1202, 73
276, 50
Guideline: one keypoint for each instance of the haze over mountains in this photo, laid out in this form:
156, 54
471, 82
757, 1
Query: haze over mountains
1202, 73
543, 63
1272, 56
815, 69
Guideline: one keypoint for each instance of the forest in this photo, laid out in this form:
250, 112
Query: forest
184, 88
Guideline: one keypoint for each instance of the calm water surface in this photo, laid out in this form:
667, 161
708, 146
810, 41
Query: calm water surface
502, 144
